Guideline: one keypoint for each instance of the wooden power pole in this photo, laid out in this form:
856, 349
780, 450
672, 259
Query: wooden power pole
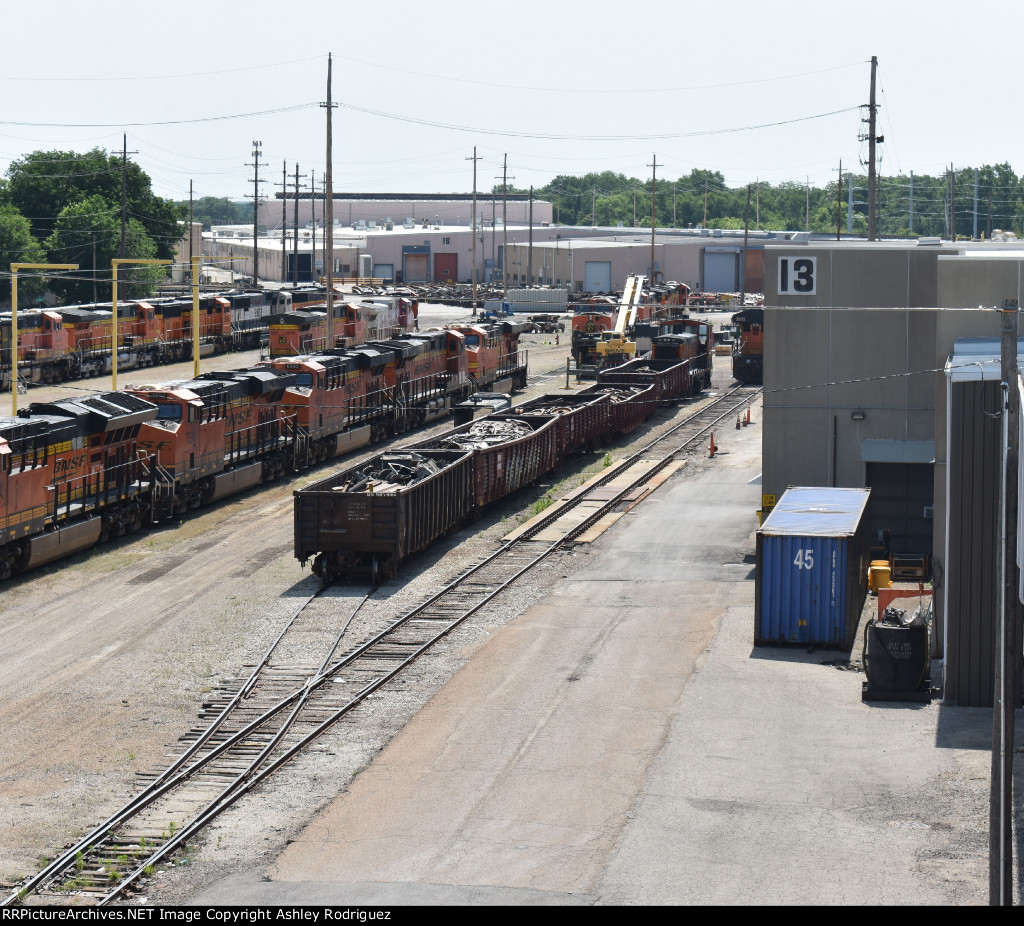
329, 213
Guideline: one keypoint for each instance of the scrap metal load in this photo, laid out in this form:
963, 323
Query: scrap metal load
483, 434
349, 526
389, 472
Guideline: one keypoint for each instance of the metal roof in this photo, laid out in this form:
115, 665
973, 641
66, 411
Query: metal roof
815, 511
978, 359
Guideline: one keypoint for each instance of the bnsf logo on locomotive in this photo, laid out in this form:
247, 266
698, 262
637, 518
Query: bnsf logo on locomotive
68, 464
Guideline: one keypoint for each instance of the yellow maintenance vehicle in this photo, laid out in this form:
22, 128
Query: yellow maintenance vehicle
614, 346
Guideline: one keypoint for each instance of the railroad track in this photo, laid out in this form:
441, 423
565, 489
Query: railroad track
309, 679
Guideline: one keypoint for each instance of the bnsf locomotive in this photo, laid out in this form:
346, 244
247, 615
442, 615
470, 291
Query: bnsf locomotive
74, 342
748, 347
77, 472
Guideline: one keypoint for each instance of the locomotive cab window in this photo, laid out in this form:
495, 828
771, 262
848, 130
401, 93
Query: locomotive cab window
168, 412
303, 379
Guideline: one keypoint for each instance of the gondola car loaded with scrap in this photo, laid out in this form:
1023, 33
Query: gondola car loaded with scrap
368, 518
77, 472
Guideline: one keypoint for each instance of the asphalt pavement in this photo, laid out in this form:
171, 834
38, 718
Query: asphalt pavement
624, 742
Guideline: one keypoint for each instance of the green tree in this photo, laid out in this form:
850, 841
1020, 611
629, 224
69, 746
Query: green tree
18, 246
44, 183
218, 210
93, 227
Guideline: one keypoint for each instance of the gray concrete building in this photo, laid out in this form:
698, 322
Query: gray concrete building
873, 377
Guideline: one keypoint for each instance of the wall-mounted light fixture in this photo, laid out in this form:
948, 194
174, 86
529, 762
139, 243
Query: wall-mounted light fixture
857, 415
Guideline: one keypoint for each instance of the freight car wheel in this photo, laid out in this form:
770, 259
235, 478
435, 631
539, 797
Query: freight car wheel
380, 571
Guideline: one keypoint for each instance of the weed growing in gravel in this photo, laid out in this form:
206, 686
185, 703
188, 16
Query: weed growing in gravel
79, 861
543, 502
607, 461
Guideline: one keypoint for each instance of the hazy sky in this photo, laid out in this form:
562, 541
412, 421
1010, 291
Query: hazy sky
755, 90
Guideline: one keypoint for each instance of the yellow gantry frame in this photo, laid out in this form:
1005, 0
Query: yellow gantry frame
14, 321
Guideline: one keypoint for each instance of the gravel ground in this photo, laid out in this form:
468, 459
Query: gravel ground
111, 654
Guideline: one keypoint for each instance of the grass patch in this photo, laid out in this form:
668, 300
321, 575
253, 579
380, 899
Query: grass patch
545, 501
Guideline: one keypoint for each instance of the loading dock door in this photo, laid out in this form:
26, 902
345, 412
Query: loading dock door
721, 266
446, 268
417, 268
900, 493
597, 276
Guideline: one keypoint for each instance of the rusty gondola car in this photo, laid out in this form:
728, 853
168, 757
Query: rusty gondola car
629, 406
368, 518
377, 513
581, 419
343, 527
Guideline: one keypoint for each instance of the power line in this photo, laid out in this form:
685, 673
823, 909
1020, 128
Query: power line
136, 77
553, 137
117, 125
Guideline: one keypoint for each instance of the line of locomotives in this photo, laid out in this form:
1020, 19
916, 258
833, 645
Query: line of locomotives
366, 519
660, 308
78, 472
748, 346
74, 342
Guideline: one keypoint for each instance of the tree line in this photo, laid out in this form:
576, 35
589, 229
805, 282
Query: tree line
969, 201
66, 207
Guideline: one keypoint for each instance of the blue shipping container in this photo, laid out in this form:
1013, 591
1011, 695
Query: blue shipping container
812, 568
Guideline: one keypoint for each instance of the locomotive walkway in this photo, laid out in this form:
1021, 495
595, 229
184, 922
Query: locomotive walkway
623, 742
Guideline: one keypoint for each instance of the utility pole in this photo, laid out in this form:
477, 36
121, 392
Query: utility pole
1007, 663
808, 189
988, 224
757, 204
872, 139
705, 225
284, 222
295, 245
255, 165
743, 265
849, 203
910, 226
952, 203
974, 232
474, 159
674, 185
191, 220
593, 206
634, 205
839, 201
504, 226
329, 212
124, 200
529, 252
124, 194
654, 181
312, 222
